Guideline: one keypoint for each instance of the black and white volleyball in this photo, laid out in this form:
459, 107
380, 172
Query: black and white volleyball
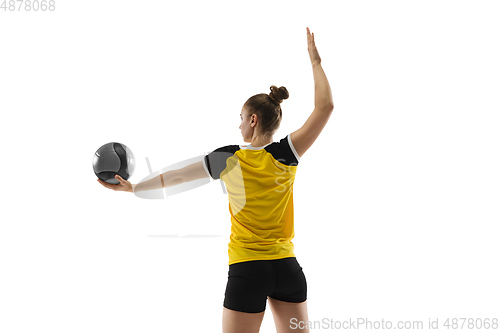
111, 159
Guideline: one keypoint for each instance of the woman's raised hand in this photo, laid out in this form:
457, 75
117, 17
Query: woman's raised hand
311, 47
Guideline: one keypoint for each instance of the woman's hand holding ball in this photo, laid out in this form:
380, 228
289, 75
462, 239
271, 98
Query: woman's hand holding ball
124, 185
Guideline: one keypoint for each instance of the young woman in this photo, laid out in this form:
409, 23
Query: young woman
259, 180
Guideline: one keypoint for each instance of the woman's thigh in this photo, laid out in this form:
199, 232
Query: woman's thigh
289, 317
241, 322
288, 300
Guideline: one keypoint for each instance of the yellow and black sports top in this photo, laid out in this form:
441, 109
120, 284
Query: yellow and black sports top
259, 182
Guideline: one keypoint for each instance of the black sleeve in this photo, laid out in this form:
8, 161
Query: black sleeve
286, 152
215, 162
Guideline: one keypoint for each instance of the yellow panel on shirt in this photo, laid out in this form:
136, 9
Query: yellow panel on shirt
259, 182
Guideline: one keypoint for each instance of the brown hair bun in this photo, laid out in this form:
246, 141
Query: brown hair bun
278, 94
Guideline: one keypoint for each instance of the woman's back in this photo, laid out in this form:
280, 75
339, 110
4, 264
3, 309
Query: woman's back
259, 182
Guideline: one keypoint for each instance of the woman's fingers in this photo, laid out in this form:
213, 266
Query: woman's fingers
103, 183
310, 37
311, 47
111, 186
121, 180
106, 185
124, 185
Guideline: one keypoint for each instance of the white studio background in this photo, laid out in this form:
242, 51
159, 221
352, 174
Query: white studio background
396, 204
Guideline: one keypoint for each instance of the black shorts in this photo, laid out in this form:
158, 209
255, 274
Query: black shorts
251, 282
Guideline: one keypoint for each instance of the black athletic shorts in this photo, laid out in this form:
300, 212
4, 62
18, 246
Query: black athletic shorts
251, 282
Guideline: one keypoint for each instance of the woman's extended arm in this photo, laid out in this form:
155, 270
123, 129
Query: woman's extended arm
173, 177
166, 179
188, 173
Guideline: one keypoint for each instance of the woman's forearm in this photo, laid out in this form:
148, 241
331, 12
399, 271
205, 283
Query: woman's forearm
323, 93
166, 179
